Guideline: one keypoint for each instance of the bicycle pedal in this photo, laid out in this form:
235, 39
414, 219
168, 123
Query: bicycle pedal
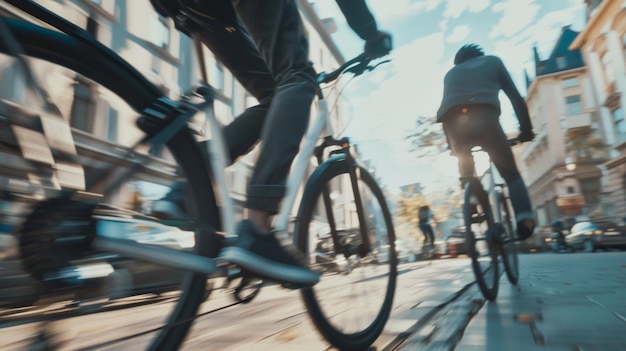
479, 218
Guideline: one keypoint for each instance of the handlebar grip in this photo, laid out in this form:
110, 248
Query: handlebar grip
514, 141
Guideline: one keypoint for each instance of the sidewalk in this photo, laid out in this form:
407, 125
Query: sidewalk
563, 302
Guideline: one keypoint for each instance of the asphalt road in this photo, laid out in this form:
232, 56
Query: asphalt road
436, 307
275, 320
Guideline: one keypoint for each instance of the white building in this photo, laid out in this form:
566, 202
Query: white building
603, 44
577, 163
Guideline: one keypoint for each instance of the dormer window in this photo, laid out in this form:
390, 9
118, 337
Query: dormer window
561, 62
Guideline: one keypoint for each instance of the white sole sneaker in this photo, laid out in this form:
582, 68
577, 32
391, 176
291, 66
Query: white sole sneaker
269, 269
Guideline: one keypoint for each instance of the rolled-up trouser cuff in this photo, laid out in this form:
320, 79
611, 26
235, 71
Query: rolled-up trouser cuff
265, 197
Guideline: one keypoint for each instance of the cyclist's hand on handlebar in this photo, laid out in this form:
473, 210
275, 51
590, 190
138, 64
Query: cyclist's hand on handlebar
378, 45
526, 135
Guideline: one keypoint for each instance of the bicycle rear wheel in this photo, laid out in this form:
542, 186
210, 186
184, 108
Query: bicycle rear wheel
482, 249
352, 302
122, 178
508, 245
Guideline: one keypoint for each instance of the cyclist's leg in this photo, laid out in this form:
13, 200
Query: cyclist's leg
231, 44
431, 234
502, 156
279, 35
423, 229
455, 128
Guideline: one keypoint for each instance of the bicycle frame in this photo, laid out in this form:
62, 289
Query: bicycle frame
495, 185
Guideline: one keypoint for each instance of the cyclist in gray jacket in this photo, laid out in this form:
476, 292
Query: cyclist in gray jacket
470, 112
265, 46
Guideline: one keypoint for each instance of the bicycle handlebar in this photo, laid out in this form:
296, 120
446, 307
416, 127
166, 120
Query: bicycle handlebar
514, 141
357, 66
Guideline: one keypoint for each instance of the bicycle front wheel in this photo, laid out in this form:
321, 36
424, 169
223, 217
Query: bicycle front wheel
508, 245
112, 181
482, 250
352, 302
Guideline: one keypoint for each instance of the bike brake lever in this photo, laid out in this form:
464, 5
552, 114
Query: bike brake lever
364, 66
371, 68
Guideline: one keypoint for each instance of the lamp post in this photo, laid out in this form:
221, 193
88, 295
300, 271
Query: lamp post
570, 165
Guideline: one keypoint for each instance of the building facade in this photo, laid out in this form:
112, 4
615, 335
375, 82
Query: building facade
603, 44
575, 166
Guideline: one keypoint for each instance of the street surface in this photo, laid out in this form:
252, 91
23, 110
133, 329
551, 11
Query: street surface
563, 302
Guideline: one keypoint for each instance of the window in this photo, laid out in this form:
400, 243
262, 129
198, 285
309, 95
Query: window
13, 85
573, 105
569, 82
155, 63
570, 190
607, 65
620, 124
83, 107
561, 62
217, 76
112, 124
161, 32
591, 190
92, 27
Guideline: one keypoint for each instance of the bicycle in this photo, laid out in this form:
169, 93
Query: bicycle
68, 222
490, 230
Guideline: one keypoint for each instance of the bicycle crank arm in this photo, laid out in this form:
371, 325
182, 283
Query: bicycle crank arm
187, 261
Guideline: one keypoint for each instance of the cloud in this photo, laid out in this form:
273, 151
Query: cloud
412, 81
455, 8
394, 9
516, 15
411, 85
516, 51
459, 33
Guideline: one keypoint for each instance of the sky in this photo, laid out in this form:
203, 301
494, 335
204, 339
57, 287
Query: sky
384, 104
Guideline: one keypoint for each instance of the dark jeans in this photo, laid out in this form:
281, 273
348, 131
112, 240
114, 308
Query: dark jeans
427, 230
267, 51
480, 126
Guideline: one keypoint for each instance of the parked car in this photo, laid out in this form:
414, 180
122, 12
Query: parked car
456, 242
589, 236
101, 275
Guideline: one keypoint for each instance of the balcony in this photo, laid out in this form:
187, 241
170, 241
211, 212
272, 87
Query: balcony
576, 121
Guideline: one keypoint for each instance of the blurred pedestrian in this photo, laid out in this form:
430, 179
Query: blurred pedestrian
424, 215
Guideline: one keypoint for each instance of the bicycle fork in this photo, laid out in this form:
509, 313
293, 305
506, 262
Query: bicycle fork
364, 248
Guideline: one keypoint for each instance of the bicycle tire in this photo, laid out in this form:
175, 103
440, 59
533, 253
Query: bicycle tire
324, 304
482, 248
508, 245
113, 73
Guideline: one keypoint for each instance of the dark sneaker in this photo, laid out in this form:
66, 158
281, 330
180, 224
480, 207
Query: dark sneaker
263, 255
525, 228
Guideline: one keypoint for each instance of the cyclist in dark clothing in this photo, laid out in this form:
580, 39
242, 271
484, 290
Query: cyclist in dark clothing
470, 112
424, 214
264, 45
